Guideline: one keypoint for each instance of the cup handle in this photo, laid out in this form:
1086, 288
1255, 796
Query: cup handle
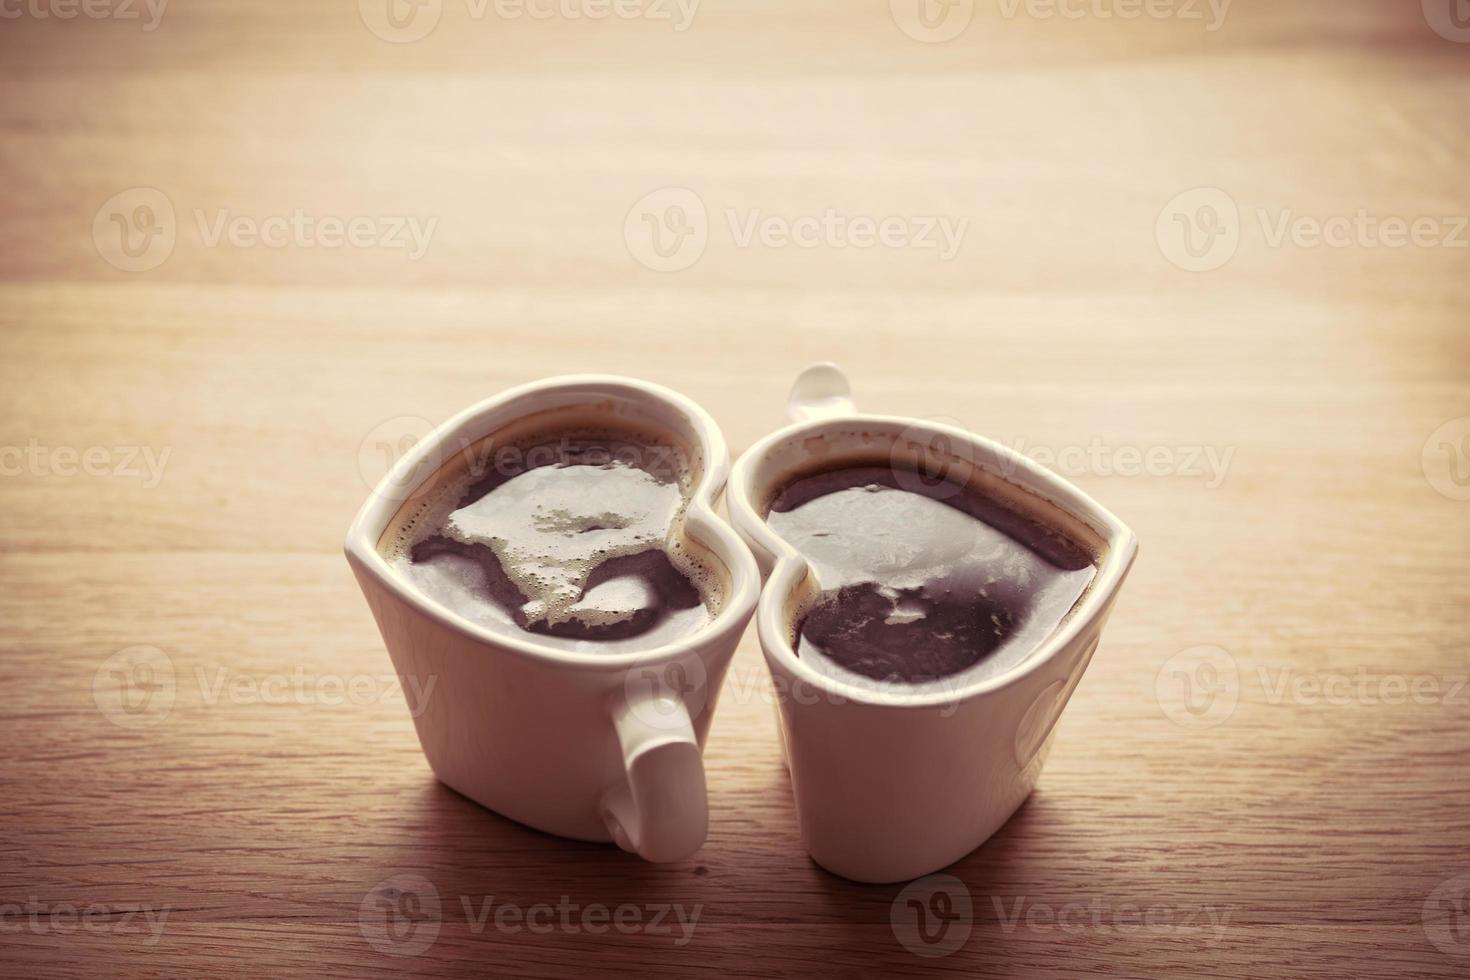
660, 811
820, 391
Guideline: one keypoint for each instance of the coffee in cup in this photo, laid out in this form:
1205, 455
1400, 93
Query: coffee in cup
922, 577
569, 535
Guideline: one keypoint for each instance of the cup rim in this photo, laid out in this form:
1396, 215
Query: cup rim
700, 520
1023, 473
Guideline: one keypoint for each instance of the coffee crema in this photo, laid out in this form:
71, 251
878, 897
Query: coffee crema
571, 538
922, 578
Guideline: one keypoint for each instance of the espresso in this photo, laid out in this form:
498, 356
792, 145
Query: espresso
923, 578
572, 539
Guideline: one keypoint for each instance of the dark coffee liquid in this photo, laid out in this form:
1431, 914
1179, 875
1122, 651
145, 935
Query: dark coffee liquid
923, 578
570, 538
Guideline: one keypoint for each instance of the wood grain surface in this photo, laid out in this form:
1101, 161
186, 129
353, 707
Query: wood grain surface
1263, 773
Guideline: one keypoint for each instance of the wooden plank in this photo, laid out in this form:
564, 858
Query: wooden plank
182, 448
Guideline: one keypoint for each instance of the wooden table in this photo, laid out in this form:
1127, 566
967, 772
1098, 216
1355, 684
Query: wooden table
189, 423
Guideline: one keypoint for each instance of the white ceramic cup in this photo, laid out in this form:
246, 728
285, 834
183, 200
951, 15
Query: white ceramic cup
588, 746
893, 784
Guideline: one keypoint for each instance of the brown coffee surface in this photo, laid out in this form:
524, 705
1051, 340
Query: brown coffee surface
568, 539
923, 579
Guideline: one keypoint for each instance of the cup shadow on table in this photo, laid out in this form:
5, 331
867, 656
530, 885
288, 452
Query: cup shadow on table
779, 899
861, 917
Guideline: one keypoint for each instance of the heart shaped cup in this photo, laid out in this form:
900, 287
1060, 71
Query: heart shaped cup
891, 784
588, 746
